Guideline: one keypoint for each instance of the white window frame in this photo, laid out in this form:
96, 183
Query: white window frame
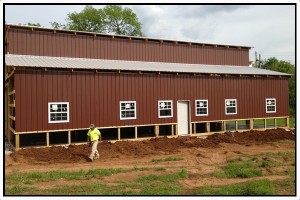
159, 109
272, 99
127, 118
231, 106
49, 112
196, 101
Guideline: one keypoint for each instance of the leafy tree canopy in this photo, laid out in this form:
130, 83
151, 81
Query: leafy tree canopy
111, 19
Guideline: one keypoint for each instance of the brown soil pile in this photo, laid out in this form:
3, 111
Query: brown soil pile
78, 153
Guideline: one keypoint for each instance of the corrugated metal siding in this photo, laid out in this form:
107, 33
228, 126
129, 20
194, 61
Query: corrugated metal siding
25, 42
95, 97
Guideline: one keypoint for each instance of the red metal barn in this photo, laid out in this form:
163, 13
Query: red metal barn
58, 82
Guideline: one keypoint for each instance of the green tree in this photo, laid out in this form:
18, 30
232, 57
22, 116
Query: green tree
122, 21
110, 19
286, 67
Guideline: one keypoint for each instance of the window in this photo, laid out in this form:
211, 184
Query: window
165, 109
58, 112
127, 110
230, 106
201, 107
271, 105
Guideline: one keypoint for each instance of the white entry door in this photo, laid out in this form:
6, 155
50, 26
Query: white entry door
183, 117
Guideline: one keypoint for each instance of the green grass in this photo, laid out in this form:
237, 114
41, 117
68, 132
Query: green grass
287, 154
265, 163
280, 122
238, 170
292, 121
284, 187
145, 185
35, 177
160, 169
257, 187
166, 159
68, 175
15, 190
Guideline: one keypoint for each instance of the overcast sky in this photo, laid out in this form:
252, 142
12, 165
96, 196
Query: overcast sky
270, 29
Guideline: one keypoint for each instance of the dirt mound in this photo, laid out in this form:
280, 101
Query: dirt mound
79, 153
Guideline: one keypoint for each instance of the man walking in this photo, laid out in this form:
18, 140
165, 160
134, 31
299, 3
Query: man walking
93, 136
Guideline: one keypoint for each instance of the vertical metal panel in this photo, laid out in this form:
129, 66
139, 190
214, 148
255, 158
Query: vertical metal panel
73, 100
34, 111
78, 105
60, 44
12, 41
95, 97
18, 89
86, 100
105, 99
44, 99
22, 108
98, 100
44, 50
89, 47
89, 98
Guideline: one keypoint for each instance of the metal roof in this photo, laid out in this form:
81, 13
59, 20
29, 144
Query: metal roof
101, 64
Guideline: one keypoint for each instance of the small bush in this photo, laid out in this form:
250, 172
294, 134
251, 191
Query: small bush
166, 159
160, 169
265, 164
238, 170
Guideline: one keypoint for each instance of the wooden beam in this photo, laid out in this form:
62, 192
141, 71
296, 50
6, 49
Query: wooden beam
12, 117
47, 139
251, 124
119, 133
17, 142
9, 75
12, 130
69, 137
224, 126
287, 122
12, 105
135, 132
156, 131
172, 130
208, 127
12, 92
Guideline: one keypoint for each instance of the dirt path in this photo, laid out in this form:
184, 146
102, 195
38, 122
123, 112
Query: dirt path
200, 155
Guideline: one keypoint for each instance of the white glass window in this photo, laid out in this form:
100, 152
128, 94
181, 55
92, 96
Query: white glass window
201, 107
230, 106
58, 112
128, 110
271, 105
165, 109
